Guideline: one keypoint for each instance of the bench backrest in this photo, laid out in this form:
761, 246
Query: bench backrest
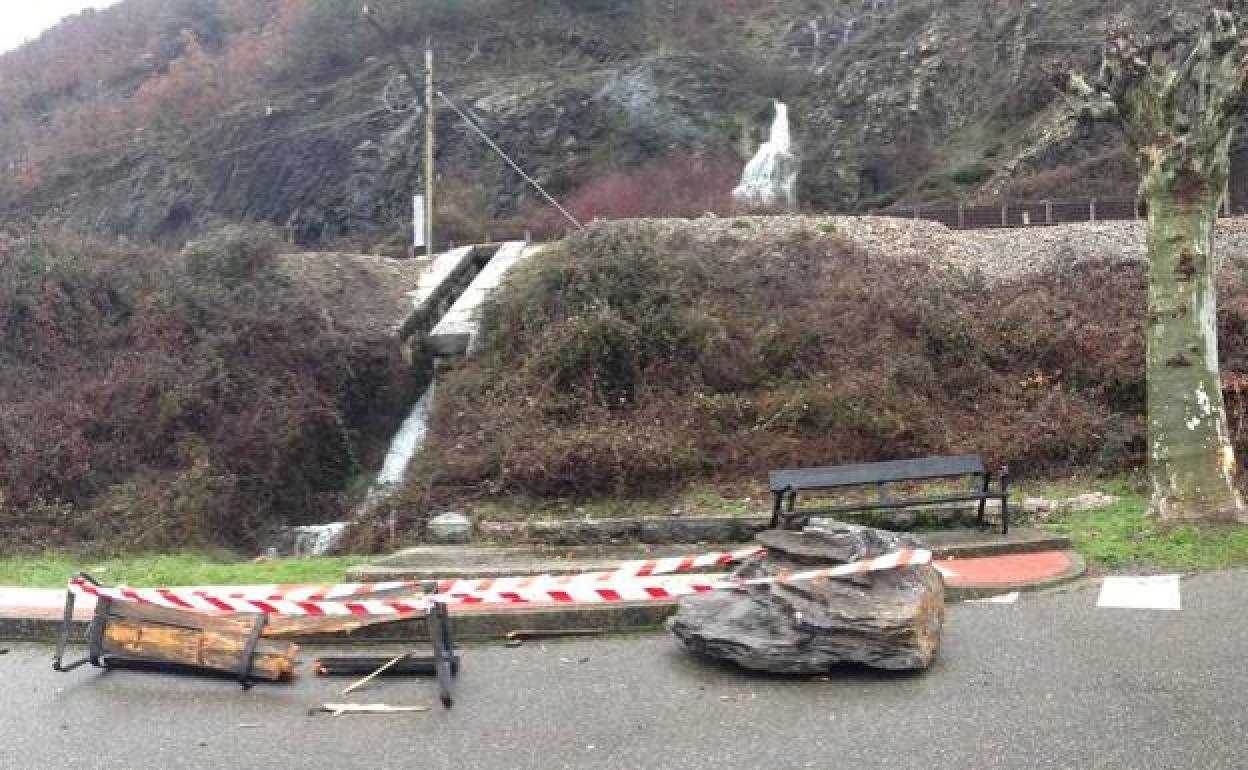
873, 473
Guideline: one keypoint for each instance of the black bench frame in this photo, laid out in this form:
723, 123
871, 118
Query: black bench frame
787, 484
444, 663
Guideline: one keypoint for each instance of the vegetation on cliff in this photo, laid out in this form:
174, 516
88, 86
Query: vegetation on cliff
160, 118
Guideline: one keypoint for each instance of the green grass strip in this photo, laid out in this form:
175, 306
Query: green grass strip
172, 569
1123, 536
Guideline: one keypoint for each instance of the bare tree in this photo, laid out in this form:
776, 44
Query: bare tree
1176, 99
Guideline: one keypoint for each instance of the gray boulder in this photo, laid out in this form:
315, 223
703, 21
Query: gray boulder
889, 620
449, 529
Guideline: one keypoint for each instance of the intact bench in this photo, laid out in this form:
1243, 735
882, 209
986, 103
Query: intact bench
786, 485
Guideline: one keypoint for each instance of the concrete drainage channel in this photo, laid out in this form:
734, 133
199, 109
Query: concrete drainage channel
442, 324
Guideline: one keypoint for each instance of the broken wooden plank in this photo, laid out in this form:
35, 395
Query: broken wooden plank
215, 643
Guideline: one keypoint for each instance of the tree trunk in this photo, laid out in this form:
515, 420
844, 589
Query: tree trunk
1177, 100
1191, 459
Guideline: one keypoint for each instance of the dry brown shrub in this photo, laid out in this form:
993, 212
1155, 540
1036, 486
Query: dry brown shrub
154, 400
625, 362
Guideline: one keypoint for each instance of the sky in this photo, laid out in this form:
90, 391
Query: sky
22, 20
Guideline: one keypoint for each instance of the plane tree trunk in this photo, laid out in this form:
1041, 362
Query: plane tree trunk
1176, 103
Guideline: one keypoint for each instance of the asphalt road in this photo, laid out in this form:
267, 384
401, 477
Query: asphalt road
1049, 682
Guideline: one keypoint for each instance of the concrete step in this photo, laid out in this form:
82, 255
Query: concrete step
439, 562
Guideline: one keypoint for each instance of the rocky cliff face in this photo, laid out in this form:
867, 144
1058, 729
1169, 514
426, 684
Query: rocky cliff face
891, 100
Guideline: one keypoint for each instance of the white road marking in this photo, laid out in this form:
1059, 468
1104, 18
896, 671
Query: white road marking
1009, 598
1157, 592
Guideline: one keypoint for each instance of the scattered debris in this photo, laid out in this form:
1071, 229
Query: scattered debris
4, 650
357, 685
739, 696
338, 709
248, 725
408, 664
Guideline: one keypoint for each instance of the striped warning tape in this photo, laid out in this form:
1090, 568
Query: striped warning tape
203, 601
621, 588
357, 592
629, 570
655, 589
298, 593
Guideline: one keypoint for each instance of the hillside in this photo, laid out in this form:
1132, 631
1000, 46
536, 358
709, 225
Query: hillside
642, 357
205, 397
160, 118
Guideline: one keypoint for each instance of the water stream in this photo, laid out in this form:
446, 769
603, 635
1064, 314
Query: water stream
406, 443
769, 180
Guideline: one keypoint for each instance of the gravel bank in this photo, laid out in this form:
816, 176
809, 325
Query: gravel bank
998, 256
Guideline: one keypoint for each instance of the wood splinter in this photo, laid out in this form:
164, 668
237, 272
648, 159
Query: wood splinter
338, 709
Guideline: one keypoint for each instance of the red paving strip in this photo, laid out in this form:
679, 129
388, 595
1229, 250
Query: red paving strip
1006, 570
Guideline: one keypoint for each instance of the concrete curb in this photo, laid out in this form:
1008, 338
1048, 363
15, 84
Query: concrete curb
479, 624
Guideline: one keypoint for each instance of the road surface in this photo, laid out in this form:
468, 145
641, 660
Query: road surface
1051, 681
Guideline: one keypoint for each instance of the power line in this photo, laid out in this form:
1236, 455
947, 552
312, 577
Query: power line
472, 124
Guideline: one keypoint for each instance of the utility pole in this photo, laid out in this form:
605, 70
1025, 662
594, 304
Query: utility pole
430, 126
430, 122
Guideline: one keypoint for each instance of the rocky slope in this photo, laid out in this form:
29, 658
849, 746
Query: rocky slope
891, 99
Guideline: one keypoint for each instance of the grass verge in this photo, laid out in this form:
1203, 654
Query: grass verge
172, 569
1123, 536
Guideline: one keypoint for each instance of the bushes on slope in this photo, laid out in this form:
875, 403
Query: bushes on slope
625, 361
154, 401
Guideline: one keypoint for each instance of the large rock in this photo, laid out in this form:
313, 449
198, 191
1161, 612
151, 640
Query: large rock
449, 529
890, 619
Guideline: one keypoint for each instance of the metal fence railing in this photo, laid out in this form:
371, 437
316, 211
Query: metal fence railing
1023, 213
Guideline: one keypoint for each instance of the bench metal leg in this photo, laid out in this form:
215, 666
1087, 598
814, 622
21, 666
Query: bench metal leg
62, 641
443, 650
776, 507
249, 651
95, 632
1005, 500
985, 480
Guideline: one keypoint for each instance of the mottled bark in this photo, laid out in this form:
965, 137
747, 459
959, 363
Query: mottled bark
1191, 460
1176, 101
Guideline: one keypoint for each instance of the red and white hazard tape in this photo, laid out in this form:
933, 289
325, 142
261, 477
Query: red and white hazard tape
623, 585
656, 589
627, 571
341, 592
357, 593
202, 601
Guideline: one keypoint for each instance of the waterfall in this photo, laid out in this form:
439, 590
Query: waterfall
406, 443
770, 178
320, 539
316, 539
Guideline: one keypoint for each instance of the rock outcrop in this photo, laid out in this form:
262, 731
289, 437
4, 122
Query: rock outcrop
888, 620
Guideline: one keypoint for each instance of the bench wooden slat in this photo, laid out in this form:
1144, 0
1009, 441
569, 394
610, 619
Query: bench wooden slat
871, 473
